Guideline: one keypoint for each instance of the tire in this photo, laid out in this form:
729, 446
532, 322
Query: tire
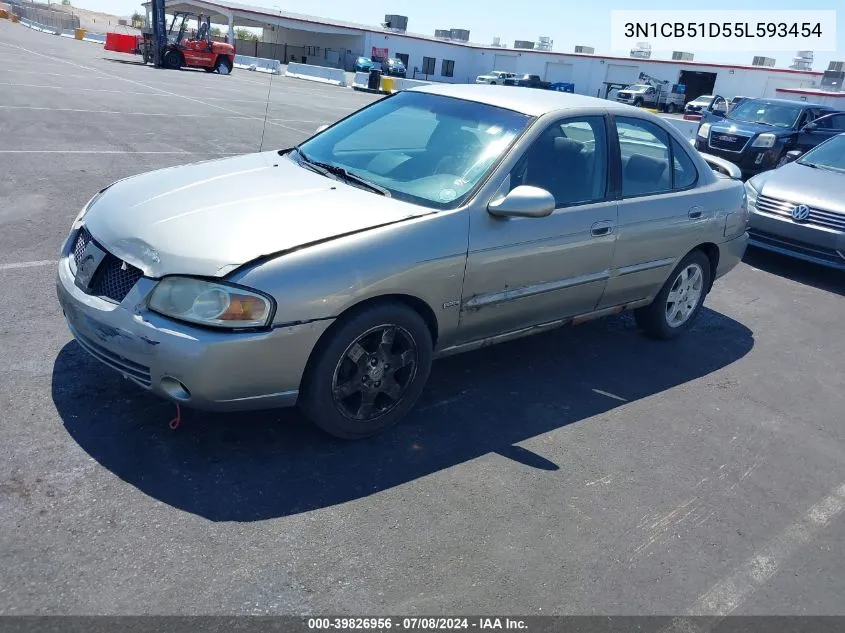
659, 320
638, 103
782, 160
355, 360
670, 109
222, 66
492, 83
173, 60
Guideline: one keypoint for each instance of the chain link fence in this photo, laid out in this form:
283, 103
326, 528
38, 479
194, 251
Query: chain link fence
44, 16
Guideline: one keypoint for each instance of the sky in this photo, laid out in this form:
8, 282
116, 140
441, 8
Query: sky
567, 23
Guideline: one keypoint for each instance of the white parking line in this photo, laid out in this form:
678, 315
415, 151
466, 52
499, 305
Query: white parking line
166, 114
44, 262
113, 151
30, 73
730, 592
143, 85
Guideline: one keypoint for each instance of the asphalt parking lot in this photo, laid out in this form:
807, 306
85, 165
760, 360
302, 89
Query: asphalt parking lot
584, 471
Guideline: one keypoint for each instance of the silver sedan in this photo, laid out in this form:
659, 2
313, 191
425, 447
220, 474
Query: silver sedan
434, 221
799, 210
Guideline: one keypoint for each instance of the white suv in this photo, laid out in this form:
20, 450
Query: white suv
495, 77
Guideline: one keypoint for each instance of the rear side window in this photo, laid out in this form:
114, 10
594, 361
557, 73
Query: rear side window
647, 152
684, 173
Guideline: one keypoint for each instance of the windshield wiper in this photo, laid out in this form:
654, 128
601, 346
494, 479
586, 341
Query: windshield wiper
342, 173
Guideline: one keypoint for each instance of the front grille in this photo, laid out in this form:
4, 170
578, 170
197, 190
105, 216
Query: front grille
817, 217
730, 142
115, 278
136, 372
796, 246
82, 239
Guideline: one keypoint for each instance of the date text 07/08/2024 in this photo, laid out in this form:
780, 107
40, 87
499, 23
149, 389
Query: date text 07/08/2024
416, 624
723, 29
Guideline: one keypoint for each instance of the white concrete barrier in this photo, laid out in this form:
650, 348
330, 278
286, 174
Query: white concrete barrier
400, 83
259, 64
334, 76
361, 80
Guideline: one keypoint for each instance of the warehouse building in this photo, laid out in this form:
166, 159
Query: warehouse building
449, 56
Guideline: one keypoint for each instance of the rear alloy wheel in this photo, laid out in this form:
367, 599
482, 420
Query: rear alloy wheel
670, 109
678, 303
369, 373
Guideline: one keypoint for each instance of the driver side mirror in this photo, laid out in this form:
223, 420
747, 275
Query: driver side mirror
523, 202
321, 128
793, 155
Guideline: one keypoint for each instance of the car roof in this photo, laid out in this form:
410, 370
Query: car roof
788, 102
531, 101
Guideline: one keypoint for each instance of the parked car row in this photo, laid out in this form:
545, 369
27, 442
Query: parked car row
392, 66
500, 77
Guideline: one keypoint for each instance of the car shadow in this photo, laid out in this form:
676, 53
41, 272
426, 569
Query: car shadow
807, 273
254, 466
129, 62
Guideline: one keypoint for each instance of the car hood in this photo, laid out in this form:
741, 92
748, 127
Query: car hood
818, 188
209, 218
730, 126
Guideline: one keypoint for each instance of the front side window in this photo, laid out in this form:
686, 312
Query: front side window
427, 149
569, 160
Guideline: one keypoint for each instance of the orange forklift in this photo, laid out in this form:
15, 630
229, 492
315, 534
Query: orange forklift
194, 51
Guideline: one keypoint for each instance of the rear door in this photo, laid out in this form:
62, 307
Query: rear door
659, 218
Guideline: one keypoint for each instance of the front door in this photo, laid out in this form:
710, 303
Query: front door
820, 130
659, 218
530, 271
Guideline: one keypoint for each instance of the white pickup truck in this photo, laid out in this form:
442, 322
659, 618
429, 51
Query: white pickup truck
645, 96
495, 77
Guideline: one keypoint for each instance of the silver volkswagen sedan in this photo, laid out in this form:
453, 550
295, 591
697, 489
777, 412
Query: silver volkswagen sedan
433, 221
799, 209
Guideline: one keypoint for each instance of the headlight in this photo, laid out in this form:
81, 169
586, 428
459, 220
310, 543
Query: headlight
751, 194
765, 140
704, 130
210, 303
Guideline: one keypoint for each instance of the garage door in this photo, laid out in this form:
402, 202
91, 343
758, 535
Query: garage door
505, 62
773, 83
556, 72
622, 74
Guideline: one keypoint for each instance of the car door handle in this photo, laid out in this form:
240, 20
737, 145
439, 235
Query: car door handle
601, 228
695, 213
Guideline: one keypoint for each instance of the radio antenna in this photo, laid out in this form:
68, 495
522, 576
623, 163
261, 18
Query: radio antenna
270, 83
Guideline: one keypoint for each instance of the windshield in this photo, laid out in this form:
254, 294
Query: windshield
775, 114
703, 100
637, 88
422, 148
828, 155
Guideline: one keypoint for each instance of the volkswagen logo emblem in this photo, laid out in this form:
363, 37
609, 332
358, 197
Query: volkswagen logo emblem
801, 213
